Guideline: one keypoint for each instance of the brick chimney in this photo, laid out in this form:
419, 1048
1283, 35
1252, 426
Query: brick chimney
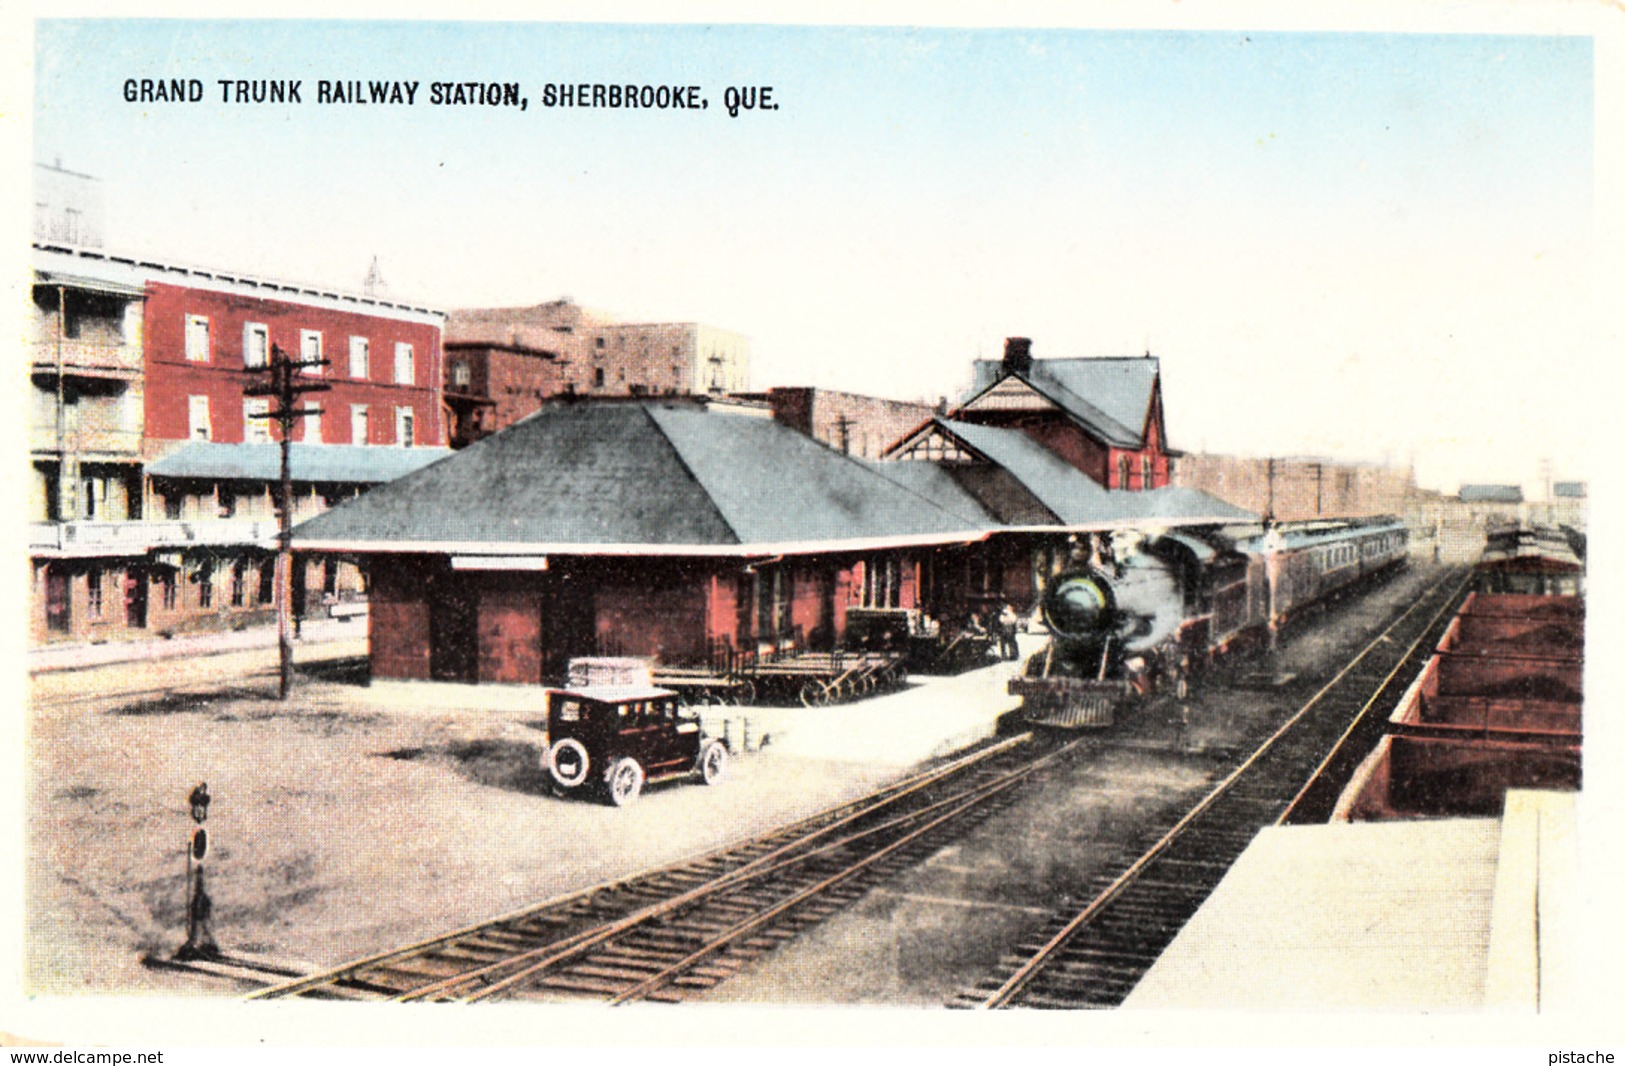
1018, 355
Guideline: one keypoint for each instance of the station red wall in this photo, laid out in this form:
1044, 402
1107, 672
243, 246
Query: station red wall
171, 378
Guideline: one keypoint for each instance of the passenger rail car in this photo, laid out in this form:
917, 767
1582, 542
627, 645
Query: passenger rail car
1160, 607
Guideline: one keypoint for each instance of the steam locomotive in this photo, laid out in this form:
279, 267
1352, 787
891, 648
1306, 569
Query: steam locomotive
1150, 610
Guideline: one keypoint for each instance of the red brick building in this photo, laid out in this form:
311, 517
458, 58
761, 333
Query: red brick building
1104, 416
384, 373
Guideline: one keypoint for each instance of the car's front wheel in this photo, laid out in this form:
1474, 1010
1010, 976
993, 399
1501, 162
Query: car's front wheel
624, 781
713, 762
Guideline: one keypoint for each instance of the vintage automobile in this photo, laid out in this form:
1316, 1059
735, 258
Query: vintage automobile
618, 737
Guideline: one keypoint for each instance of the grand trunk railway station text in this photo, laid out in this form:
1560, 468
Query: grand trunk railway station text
454, 93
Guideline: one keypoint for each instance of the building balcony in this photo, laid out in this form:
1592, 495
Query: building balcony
86, 443
88, 358
127, 538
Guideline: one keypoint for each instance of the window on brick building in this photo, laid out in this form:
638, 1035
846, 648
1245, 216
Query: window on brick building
358, 423
268, 581
1122, 471
1145, 471
359, 358
406, 371
256, 430
166, 589
460, 376
310, 349
96, 602
403, 426
238, 584
197, 338
311, 418
256, 344
197, 416
598, 377
205, 584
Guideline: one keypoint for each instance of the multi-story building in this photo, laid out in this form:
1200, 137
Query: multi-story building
153, 481
503, 363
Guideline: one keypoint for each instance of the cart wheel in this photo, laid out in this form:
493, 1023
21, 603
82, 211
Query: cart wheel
745, 693
625, 781
814, 694
713, 761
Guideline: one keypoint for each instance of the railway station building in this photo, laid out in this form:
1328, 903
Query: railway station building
686, 535
1104, 416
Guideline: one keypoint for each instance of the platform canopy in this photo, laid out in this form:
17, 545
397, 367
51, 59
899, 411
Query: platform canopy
338, 463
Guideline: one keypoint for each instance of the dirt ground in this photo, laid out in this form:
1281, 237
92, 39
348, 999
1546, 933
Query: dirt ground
336, 830
342, 826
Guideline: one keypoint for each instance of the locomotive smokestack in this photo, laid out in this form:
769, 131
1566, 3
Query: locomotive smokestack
1018, 355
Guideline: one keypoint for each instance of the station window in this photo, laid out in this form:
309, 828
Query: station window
358, 423
166, 589
1122, 471
460, 376
310, 349
238, 585
403, 426
267, 581
1145, 471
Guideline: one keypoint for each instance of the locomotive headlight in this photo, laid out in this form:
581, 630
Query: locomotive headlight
1078, 605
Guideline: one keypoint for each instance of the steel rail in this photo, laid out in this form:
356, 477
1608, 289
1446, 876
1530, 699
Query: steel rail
567, 949
1359, 718
1025, 973
843, 813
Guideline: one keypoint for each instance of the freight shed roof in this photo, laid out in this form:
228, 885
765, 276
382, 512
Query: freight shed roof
1111, 397
645, 475
343, 463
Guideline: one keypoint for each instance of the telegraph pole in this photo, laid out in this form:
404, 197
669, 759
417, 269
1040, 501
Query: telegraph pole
284, 385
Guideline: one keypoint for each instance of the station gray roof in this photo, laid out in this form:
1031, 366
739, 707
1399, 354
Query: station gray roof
641, 476
1111, 396
309, 462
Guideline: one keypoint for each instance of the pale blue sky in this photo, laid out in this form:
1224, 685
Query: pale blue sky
1361, 244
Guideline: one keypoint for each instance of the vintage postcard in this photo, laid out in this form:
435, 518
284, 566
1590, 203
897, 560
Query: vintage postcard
1042, 529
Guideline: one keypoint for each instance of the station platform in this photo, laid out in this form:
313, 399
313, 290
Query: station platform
930, 717
1452, 914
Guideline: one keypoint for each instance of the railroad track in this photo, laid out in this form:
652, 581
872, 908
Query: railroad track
670, 934
1095, 957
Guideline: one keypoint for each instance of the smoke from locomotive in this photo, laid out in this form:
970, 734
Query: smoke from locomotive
1120, 623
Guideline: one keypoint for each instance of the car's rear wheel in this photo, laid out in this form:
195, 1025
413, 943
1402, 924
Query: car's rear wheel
624, 781
567, 762
713, 762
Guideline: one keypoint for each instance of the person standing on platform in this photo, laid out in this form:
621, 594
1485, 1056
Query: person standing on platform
1005, 627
